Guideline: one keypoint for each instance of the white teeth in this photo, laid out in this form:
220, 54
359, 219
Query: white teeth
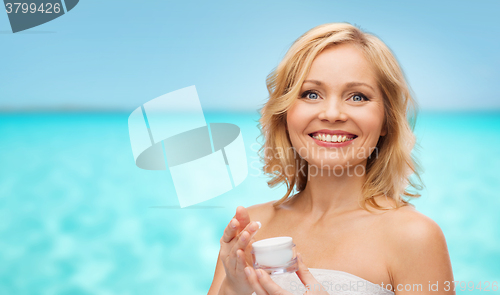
332, 138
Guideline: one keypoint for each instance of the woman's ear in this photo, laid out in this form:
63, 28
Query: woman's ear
384, 130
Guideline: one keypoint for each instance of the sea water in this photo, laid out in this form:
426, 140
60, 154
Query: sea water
78, 217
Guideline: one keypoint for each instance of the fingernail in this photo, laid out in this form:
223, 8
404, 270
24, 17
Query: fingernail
232, 223
259, 274
259, 224
247, 271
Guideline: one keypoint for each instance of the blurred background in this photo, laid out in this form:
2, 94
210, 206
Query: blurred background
78, 217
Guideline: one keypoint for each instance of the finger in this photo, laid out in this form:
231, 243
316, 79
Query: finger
248, 253
245, 236
268, 284
234, 255
230, 231
305, 275
241, 262
254, 281
242, 216
252, 228
240, 242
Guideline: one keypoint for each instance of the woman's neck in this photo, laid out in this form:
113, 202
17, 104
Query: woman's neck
327, 193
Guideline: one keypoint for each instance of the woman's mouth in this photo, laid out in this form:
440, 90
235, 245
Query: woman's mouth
335, 140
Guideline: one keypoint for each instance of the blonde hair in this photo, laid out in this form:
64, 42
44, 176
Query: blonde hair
387, 174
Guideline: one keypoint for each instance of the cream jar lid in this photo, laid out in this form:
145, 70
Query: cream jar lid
272, 244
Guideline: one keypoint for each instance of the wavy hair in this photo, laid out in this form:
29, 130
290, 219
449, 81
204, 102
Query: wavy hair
387, 174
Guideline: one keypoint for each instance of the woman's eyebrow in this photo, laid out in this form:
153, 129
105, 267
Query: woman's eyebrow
350, 84
353, 84
313, 81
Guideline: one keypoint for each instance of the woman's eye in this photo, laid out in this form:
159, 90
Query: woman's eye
310, 95
359, 97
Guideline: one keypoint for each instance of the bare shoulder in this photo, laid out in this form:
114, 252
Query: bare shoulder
417, 245
405, 221
408, 223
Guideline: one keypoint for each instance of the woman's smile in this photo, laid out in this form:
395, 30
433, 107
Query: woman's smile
332, 138
332, 141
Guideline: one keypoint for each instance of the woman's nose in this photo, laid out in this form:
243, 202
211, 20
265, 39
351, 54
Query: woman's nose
332, 110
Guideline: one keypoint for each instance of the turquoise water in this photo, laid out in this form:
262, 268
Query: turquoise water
78, 217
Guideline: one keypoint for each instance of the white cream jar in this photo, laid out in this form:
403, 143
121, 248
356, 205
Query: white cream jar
275, 255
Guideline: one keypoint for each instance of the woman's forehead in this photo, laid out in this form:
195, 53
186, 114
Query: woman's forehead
342, 64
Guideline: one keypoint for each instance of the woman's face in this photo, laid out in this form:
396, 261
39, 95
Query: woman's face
339, 101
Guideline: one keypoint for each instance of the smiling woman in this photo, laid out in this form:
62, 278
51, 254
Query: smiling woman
338, 129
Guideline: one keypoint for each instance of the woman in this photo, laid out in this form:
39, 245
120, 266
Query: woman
337, 128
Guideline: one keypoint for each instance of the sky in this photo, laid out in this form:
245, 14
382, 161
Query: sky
117, 55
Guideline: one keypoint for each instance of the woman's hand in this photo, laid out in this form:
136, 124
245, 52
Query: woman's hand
233, 243
263, 284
